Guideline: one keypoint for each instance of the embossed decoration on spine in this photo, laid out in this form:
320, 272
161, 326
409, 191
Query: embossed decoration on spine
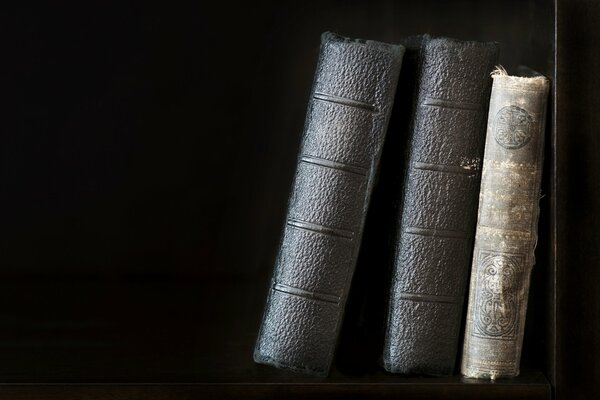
506, 232
496, 301
512, 127
437, 222
347, 118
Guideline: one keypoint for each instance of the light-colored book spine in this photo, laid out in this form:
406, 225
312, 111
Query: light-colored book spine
506, 234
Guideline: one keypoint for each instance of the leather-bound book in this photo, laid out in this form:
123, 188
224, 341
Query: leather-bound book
506, 235
438, 210
346, 122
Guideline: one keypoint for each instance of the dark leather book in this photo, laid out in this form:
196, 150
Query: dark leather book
506, 234
347, 118
439, 206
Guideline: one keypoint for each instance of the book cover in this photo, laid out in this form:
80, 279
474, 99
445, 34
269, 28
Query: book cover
346, 122
506, 234
439, 205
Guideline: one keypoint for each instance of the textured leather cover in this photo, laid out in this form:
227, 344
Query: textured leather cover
347, 118
506, 235
439, 207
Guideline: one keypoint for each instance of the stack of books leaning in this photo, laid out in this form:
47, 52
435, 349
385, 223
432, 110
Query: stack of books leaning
467, 206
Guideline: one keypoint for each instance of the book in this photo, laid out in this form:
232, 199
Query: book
439, 205
506, 234
346, 122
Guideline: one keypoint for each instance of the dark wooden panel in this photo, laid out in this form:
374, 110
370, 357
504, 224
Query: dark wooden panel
578, 206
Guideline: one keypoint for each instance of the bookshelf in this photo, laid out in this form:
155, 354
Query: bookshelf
148, 161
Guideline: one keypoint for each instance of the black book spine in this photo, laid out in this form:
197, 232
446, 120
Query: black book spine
439, 206
346, 121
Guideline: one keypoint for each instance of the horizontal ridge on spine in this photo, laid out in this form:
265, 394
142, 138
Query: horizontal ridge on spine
325, 230
334, 165
453, 169
344, 101
294, 291
436, 232
460, 105
430, 298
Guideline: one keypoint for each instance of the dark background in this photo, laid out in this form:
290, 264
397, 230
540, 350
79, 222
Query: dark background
161, 140
147, 156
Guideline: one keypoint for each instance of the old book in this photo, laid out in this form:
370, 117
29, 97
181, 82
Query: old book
347, 118
506, 233
439, 207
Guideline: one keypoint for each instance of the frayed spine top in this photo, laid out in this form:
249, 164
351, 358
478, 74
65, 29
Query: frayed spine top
499, 70
501, 77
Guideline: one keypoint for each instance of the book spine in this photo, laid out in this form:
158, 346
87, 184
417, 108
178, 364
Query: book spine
346, 122
506, 233
438, 212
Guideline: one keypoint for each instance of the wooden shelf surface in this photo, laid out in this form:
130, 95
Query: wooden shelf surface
168, 339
